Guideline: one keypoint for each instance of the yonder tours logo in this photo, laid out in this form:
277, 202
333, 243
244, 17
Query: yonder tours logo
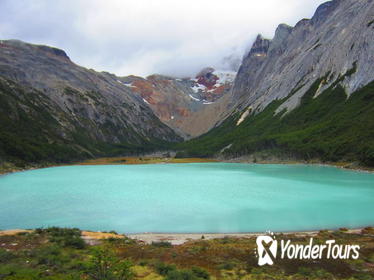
267, 250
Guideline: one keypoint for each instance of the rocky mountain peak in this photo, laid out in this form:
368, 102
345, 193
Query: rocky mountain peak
334, 46
260, 47
14, 45
282, 32
324, 10
281, 36
302, 23
54, 51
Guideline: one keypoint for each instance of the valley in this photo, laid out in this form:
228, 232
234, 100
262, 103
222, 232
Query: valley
302, 96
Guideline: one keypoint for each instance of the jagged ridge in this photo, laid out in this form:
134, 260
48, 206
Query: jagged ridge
290, 93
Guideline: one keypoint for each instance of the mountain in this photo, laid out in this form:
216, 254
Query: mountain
52, 109
182, 103
305, 94
55, 110
338, 38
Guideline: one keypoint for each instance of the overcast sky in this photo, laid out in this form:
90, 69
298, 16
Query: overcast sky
142, 37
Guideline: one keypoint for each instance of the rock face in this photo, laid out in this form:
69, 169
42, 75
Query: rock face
77, 100
183, 103
307, 94
212, 85
113, 109
336, 45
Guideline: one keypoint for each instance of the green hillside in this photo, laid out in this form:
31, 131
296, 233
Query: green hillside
330, 127
33, 129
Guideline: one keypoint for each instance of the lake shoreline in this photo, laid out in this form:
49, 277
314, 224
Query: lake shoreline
181, 238
94, 237
8, 169
171, 160
341, 165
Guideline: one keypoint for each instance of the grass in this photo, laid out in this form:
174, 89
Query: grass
37, 255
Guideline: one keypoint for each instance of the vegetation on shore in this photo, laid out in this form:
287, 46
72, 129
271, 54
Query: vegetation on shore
10, 167
143, 160
260, 158
329, 128
60, 253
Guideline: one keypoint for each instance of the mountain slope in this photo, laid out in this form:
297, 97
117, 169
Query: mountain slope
327, 128
54, 110
179, 102
338, 37
306, 94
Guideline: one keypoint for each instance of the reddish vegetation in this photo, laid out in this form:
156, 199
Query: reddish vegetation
155, 81
215, 92
145, 89
219, 90
213, 89
209, 80
169, 101
151, 90
183, 112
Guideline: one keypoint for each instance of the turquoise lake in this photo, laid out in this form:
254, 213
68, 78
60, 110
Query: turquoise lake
197, 197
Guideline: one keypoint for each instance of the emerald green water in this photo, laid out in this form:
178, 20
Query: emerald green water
199, 197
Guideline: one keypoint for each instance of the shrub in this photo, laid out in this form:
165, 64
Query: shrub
50, 255
196, 273
172, 273
181, 275
200, 273
6, 256
66, 237
163, 269
104, 265
164, 244
227, 265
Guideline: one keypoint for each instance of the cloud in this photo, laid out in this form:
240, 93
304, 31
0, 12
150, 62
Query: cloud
143, 37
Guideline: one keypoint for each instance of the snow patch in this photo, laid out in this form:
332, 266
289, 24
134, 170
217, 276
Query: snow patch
225, 77
198, 87
226, 148
126, 84
244, 115
145, 101
194, 98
